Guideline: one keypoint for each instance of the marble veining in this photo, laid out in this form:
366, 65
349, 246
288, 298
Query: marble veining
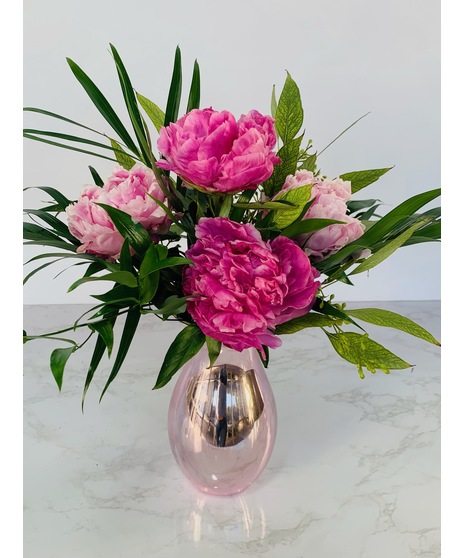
355, 472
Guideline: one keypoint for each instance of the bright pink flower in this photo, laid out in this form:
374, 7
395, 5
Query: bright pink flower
212, 151
130, 191
242, 286
330, 202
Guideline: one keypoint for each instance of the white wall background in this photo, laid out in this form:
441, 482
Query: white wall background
347, 56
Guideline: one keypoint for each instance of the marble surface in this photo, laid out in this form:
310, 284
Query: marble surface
355, 472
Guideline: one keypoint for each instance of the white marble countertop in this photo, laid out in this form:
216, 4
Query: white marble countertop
355, 471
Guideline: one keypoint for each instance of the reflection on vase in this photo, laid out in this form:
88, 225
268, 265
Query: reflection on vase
222, 421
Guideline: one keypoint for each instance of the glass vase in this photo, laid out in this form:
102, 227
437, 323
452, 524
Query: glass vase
222, 421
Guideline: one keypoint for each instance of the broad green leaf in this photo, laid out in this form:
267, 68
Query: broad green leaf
95, 175
156, 115
309, 320
148, 274
194, 93
308, 226
125, 258
309, 163
386, 318
121, 277
289, 155
186, 345
58, 360
102, 105
214, 349
105, 330
289, 112
129, 329
174, 95
172, 305
167, 262
297, 196
361, 179
279, 205
365, 353
125, 160
137, 236
387, 250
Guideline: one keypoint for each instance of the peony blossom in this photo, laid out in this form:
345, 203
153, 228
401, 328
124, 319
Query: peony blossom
130, 191
330, 202
216, 153
242, 286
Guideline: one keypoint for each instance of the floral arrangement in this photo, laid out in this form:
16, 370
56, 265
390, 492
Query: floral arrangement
232, 229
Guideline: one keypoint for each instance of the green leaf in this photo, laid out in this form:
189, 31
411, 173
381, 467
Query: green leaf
386, 318
122, 157
297, 196
59, 227
61, 200
194, 93
70, 147
148, 274
121, 277
309, 163
132, 107
308, 226
174, 95
274, 102
387, 250
156, 115
168, 262
309, 320
379, 229
137, 236
289, 155
58, 360
102, 105
130, 327
186, 345
226, 206
278, 205
173, 305
214, 349
361, 179
289, 112
105, 329
324, 307
95, 175
356, 205
365, 353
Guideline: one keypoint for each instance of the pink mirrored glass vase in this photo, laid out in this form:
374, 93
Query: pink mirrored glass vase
222, 421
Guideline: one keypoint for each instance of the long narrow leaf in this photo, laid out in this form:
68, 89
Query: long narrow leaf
61, 200
102, 105
194, 93
130, 327
59, 117
174, 95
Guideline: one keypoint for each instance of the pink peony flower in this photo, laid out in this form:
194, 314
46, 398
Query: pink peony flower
212, 151
126, 190
133, 192
242, 286
91, 224
330, 202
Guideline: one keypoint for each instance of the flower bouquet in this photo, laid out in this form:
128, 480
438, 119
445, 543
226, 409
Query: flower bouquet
225, 224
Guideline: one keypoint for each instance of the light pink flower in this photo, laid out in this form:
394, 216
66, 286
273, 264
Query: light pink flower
330, 202
213, 151
91, 224
130, 191
134, 192
242, 286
